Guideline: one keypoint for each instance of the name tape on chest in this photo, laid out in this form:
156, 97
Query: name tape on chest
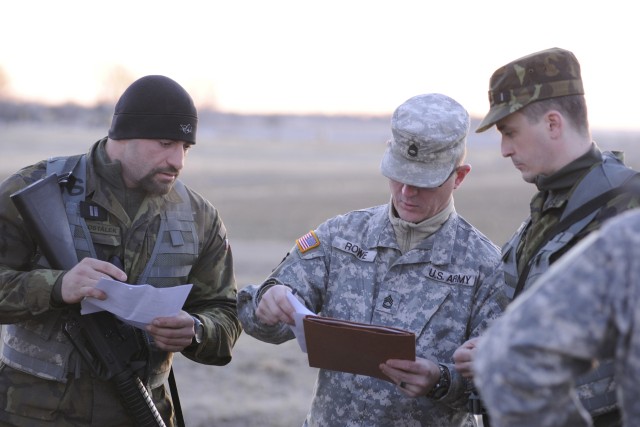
103, 228
355, 250
451, 278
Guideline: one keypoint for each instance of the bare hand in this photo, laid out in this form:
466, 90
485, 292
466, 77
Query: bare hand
172, 333
81, 280
274, 307
414, 379
463, 357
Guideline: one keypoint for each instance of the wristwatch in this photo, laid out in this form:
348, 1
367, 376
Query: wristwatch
198, 328
442, 386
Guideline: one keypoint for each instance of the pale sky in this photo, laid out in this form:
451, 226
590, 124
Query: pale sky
328, 57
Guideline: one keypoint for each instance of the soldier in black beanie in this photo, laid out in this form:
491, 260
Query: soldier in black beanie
131, 219
155, 107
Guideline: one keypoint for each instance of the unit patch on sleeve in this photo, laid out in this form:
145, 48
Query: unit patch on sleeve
308, 242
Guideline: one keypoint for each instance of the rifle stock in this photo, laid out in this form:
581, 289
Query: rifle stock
43, 211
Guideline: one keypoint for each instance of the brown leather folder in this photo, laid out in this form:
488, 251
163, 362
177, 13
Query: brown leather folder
357, 348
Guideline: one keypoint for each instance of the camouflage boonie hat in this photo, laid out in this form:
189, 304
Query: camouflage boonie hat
542, 75
429, 135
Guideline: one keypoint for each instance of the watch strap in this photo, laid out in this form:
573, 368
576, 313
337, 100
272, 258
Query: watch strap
442, 386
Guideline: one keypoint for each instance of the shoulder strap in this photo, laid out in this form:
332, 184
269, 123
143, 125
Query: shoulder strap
63, 167
610, 173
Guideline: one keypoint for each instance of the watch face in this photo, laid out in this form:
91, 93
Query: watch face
199, 330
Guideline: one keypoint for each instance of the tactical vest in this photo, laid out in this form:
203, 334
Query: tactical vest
600, 181
39, 346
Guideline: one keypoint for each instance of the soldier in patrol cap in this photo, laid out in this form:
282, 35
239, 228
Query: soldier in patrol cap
421, 267
537, 104
528, 360
132, 220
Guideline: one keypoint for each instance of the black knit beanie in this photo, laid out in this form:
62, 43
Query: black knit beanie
155, 107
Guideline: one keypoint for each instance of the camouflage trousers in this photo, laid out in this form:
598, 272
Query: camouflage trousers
28, 401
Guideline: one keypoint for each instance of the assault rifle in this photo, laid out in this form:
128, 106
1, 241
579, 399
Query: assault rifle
109, 346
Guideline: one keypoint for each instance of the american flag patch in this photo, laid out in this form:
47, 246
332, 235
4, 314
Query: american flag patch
308, 242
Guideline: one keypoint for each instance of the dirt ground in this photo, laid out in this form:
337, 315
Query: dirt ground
269, 194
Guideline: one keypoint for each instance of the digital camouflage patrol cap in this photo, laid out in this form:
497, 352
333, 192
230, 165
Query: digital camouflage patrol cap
429, 136
155, 107
542, 75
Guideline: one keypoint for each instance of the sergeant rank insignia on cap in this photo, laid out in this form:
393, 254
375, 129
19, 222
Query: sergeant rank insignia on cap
308, 242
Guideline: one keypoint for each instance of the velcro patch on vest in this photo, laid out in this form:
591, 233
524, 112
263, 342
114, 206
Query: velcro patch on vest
355, 250
92, 211
308, 242
451, 278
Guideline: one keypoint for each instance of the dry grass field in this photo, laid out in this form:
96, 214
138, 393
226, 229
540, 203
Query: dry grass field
269, 193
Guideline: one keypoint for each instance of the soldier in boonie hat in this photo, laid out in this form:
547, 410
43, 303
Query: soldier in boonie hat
550, 73
429, 138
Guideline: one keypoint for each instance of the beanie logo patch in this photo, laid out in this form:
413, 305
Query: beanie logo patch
186, 129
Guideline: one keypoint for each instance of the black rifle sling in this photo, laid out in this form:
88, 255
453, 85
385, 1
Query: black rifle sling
173, 387
575, 216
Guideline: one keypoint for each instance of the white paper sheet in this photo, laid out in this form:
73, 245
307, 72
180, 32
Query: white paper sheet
298, 315
137, 305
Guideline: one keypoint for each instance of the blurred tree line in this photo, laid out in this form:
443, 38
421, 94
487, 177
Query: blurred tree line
115, 81
70, 113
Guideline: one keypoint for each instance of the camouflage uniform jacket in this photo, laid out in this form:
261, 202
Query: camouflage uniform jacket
445, 291
564, 192
560, 195
26, 289
586, 307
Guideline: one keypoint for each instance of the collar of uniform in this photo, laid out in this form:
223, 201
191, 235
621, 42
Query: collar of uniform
417, 232
381, 233
567, 176
444, 241
437, 248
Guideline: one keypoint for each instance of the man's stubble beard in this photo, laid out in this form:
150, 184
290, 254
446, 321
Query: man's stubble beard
154, 188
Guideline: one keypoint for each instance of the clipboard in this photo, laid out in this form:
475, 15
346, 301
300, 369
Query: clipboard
357, 348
